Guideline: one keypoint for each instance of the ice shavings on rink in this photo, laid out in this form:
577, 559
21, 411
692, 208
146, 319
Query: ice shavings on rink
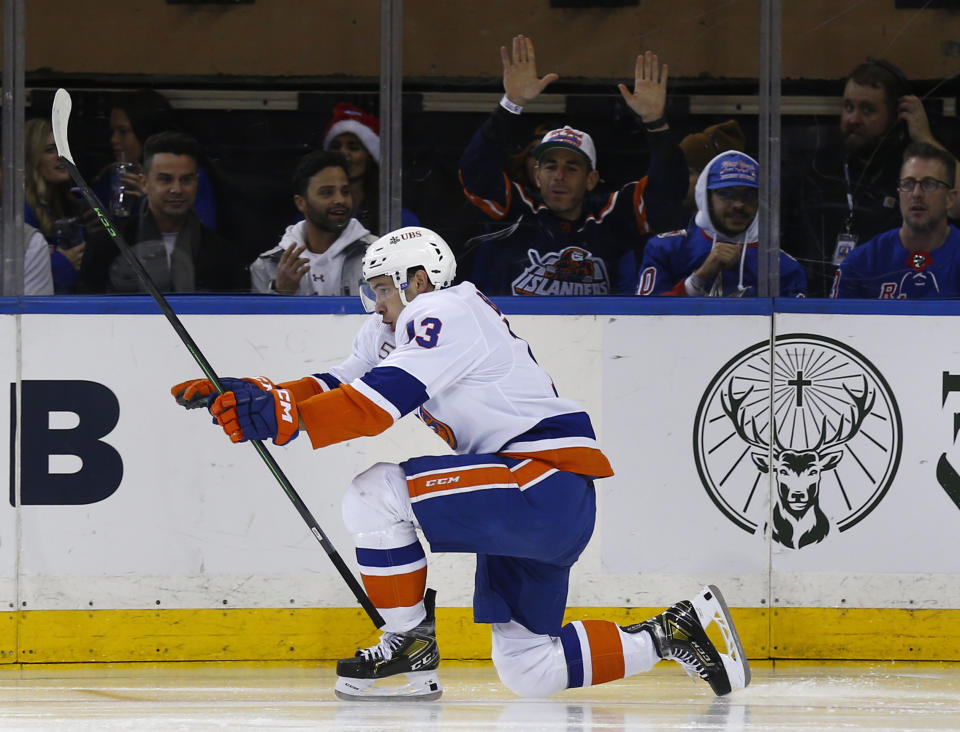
785, 697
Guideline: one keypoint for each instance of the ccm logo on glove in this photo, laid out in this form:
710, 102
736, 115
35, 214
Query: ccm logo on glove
257, 415
286, 406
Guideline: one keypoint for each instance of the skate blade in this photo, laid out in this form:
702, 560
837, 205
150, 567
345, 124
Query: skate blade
418, 686
712, 608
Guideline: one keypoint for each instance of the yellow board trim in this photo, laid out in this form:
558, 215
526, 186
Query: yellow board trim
117, 636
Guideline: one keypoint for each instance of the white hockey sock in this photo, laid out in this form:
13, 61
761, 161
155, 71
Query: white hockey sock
639, 652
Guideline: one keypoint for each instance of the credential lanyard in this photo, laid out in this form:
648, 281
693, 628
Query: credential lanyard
848, 225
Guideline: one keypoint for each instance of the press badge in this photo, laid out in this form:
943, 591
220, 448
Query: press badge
845, 243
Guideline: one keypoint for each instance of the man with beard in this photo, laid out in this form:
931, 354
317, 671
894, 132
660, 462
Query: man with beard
840, 198
717, 255
179, 253
322, 254
921, 258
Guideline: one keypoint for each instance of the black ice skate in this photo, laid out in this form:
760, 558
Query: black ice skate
411, 656
679, 635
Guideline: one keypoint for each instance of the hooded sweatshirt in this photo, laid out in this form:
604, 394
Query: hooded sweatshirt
669, 259
336, 271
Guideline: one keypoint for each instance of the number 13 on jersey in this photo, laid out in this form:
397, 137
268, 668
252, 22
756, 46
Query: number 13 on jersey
429, 327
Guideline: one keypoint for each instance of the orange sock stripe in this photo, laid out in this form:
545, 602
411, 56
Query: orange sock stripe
396, 590
459, 478
606, 650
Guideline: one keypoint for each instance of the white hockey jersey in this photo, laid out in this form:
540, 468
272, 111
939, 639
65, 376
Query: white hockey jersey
454, 360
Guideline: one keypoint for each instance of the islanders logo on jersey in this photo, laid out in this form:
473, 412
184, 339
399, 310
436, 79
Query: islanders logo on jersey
571, 271
441, 428
814, 450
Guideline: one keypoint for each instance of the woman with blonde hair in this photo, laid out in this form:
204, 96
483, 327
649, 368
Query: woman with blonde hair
50, 206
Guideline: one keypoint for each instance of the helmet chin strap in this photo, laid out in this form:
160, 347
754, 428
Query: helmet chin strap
403, 292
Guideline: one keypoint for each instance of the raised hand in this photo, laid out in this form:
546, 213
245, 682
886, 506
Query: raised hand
649, 96
520, 80
910, 110
257, 415
291, 270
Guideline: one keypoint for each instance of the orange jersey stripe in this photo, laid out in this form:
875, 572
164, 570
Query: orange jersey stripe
341, 414
606, 650
459, 478
302, 389
397, 590
581, 460
493, 209
639, 205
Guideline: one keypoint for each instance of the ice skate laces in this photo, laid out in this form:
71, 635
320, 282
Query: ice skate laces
694, 667
684, 652
384, 650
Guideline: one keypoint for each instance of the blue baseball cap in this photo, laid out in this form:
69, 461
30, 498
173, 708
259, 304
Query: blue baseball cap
733, 169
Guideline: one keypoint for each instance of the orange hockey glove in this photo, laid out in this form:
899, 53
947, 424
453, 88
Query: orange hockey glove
197, 392
257, 415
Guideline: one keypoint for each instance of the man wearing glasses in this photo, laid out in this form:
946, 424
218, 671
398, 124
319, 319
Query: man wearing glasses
921, 258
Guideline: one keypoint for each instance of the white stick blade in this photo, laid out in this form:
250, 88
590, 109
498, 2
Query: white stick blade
59, 119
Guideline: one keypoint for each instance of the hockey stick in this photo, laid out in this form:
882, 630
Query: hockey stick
60, 118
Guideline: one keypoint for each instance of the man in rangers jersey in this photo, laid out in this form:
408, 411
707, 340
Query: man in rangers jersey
518, 492
567, 241
921, 258
717, 255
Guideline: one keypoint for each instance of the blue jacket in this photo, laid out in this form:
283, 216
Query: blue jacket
669, 259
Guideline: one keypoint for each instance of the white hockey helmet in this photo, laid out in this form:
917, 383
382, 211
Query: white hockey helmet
396, 253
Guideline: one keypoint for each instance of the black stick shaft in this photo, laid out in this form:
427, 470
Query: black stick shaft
143, 275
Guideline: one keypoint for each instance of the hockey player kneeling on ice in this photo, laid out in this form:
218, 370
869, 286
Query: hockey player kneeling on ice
518, 493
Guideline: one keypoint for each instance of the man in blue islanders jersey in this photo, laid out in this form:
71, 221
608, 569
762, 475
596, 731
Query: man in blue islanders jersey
717, 255
922, 257
517, 490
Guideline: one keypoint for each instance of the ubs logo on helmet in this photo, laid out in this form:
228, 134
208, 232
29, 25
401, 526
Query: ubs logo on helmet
397, 238
832, 450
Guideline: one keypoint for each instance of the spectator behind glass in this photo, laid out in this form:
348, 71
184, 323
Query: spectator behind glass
135, 116
845, 192
572, 243
50, 206
699, 148
717, 254
355, 134
323, 254
178, 251
921, 258
37, 274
